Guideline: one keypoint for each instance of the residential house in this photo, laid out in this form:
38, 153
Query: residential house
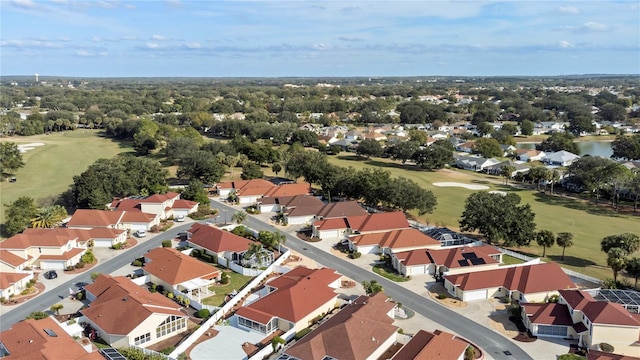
43, 339
528, 155
13, 283
360, 224
391, 242
497, 168
184, 208
578, 315
448, 261
439, 135
291, 301
362, 330
226, 246
353, 135
466, 147
524, 283
374, 136
248, 191
96, 237
47, 250
182, 273
125, 314
548, 127
474, 163
340, 209
425, 345
158, 204
298, 209
560, 158
507, 150
448, 237
124, 220
10, 262
290, 189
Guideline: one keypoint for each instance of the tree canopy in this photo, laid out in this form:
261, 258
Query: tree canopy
10, 158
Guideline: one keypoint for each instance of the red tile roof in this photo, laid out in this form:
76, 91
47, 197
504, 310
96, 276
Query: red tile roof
448, 257
121, 305
95, 218
526, 278
426, 345
126, 204
6, 279
601, 355
602, 312
298, 205
395, 239
354, 333
548, 313
248, 187
137, 217
331, 224
27, 240
160, 198
12, 259
216, 240
184, 204
576, 299
28, 340
368, 223
289, 189
174, 267
65, 256
298, 294
341, 209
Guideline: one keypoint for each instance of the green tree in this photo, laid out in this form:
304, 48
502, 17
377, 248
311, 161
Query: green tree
559, 141
200, 165
616, 258
276, 168
487, 148
305, 137
372, 287
368, 148
628, 242
632, 267
19, 214
239, 217
538, 174
545, 238
626, 147
56, 308
403, 150
507, 171
582, 124
433, 157
405, 194
195, 191
526, 127
49, 216
252, 170
10, 158
564, 240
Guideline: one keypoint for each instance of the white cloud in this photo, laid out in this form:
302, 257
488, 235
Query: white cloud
565, 44
193, 45
84, 53
152, 45
96, 38
351, 38
128, 37
27, 4
594, 26
569, 10
159, 37
321, 46
64, 38
129, 6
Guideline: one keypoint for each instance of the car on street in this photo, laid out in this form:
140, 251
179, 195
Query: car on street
51, 274
141, 233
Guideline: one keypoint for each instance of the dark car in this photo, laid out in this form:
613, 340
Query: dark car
51, 274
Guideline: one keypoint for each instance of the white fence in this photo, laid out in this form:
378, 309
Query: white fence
182, 347
151, 352
269, 348
566, 271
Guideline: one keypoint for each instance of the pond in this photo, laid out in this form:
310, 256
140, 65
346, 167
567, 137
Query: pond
593, 148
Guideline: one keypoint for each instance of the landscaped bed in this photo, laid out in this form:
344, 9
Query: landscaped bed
388, 272
236, 282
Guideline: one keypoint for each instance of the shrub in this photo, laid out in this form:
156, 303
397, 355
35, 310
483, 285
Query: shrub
302, 333
607, 347
225, 278
136, 262
203, 313
3, 300
206, 257
94, 275
80, 296
117, 246
79, 265
166, 243
24, 292
88, 257
571, 357
154, 229
168, 350
160, 289
469, 353
553, 298
401, 331
195, 253
38, 315
355, 255
69, 268
170, 295
442, 296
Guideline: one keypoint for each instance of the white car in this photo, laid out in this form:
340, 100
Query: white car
180, 218
141, 233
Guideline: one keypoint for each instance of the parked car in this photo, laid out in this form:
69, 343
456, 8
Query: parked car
180, 218
51, 274
141, 233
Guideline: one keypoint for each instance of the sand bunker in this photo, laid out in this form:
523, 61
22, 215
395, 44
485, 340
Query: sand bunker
26, 147
457, 184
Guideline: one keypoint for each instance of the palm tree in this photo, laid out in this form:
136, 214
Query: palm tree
633, 268
565, 240
49, 216
239, 217
545, 239
616, 258
231, 162
506, 171
56, 308
553, 177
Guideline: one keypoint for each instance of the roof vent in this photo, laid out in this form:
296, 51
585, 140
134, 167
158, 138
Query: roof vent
125, 298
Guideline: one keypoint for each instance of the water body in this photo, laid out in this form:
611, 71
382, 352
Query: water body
593, 148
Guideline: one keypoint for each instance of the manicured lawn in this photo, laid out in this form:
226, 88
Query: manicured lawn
237, 282
556, 213
49, 169
510, 260
384, 271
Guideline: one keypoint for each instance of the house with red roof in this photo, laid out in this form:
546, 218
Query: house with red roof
247, 191
524, 283
13, 283
291, 301
44, 248
529, 155
163, 205
10, 262
118, 219
359, 224
174, 270
451, 260
224, 245
43, 339
298, 209
362, 329
98, 237
578, 315
125, 314
425, 345
392, 241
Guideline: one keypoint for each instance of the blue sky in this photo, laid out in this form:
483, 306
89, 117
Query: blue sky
318, 38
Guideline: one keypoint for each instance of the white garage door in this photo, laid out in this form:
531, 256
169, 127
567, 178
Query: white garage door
475, 295
368, 249
102, 243
136, 227
55, 265
329, 234
268, 208
297, 220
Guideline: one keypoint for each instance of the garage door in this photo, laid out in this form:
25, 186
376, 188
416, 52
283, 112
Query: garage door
55, 265
102, 243
475, 295
551, 330
136, 227
330, 234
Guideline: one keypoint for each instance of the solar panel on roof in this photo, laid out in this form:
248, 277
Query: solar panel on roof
477, 261
112, 354
463, 262
51, 332
469, 255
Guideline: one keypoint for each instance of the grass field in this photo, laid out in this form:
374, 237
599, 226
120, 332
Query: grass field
49, 169
237, 282
558, 214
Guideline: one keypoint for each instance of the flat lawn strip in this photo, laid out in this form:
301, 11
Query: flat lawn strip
237, 282
49, 169
569, 215
510, 260
388, 273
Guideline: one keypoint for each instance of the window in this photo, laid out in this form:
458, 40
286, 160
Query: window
142, 339
171, 325
551, 330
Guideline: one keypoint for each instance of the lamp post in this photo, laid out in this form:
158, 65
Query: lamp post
225, 216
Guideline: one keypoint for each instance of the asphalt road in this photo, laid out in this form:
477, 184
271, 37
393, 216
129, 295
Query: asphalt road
52, 296
491, 342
